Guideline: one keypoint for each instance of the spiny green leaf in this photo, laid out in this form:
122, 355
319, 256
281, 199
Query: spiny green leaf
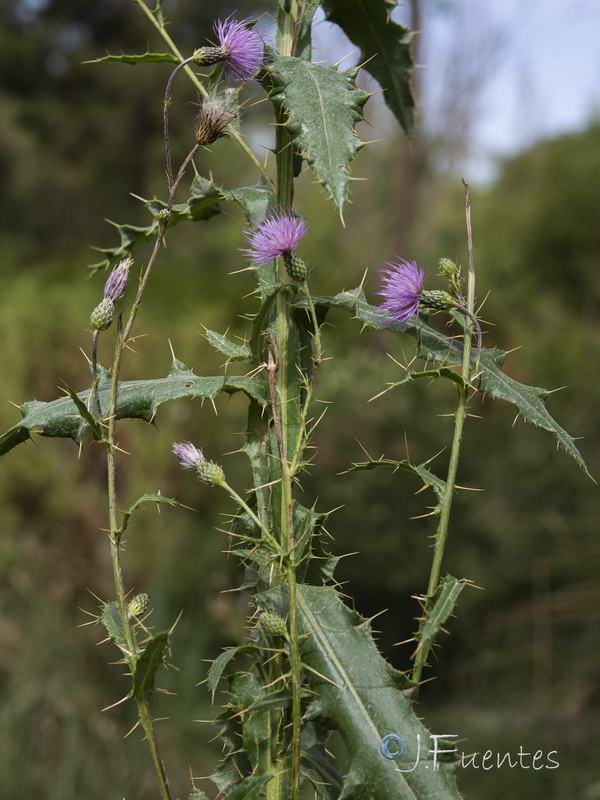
435, 346
364, 698
256, 202
85, 415
197, 794
250, 788
147, 498
202, 205
220, 663
325, 778
138, 59
234, 352
148, 662
439, 608
111, 619
384, 50
136, 400
322, 107
304, 43
428, 478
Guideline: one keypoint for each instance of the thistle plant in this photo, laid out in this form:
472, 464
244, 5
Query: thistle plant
310, 664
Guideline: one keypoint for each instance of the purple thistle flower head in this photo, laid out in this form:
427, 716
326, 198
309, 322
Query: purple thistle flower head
401, 289
242, 49
278, 234
116, 283
188, 455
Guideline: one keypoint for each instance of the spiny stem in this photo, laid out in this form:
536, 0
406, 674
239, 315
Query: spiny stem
266, 533
317, 358
459, 418
288, 26
95, 394
167, 103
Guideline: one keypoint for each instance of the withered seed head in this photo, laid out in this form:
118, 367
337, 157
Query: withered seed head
213, 118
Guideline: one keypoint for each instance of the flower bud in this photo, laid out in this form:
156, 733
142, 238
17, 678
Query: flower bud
273, 624
138, 605
295, 266
436, 299
207, 56
164, 216
210, 473
447, 267
103, 315
116, 283
191, 457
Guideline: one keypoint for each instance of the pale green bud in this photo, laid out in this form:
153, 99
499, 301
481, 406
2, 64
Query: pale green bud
437, 299
103, 315
273, 624
295, 266
138, 605
210, 473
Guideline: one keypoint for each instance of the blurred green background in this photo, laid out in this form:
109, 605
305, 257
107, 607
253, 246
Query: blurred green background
520, 666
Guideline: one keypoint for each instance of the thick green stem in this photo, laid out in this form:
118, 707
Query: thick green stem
459, 419
288, 26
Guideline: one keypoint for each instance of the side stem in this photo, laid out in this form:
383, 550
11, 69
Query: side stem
459, 419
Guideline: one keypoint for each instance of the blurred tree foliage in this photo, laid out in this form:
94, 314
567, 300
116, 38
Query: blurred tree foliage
520, 665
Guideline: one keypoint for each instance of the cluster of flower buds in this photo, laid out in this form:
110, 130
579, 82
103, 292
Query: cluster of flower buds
191, 457
114, 289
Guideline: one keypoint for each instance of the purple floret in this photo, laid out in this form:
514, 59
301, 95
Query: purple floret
401, 288
243, 49
278, 234
188, 455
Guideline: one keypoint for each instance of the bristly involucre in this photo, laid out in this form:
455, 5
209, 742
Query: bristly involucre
277, 235
242, 48
188, 455
401, 289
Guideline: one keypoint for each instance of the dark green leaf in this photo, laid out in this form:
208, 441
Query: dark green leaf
202, 205
197, 794
147, 498
136, 400
435, 346
148, 662
250, 788
139, 59
84, 413
111, 619
326, 780
256, 202
364, 698
439, 608
204, 198
322, 106
234, 352
220, 663
428, 478
304, 43
384, 50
